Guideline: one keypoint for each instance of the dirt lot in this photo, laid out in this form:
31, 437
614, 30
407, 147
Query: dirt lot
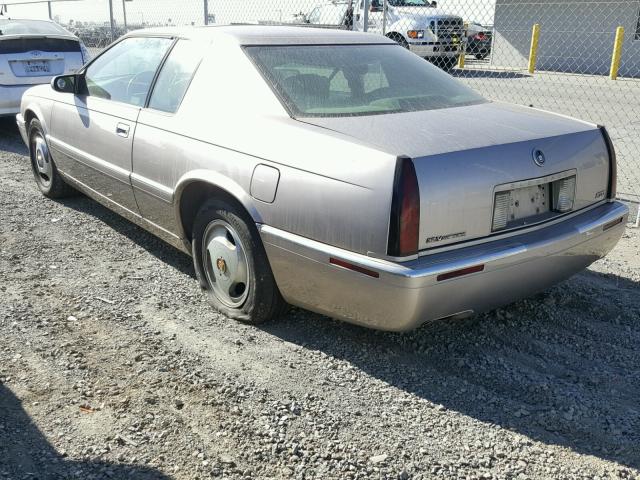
113, 366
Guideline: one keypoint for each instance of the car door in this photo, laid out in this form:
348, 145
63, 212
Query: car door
92, 131
158, 152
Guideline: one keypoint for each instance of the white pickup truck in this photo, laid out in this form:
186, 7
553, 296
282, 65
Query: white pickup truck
415, 24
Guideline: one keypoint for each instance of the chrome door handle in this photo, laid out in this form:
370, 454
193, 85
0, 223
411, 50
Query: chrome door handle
122, 129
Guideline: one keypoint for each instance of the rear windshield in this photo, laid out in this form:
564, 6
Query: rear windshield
44, 44
30, 27
346, 80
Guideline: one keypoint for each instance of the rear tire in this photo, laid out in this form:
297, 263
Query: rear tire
232, 266
45, 172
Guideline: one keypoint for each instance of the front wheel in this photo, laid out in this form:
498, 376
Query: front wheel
44, 169
232, 266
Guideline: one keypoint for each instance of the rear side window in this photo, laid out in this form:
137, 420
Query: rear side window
124, 72
175, 76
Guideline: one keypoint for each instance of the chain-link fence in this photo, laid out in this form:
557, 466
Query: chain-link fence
576, 57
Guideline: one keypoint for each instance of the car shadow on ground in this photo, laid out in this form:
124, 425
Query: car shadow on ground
10, 141
561, 368
482, 73
26, 453
152, 244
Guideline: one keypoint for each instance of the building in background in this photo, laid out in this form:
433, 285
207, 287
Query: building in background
576, 36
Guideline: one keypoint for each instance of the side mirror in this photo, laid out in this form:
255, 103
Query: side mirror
65, 83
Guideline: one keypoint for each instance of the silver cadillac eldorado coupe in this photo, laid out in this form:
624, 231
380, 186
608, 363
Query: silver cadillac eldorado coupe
331, 170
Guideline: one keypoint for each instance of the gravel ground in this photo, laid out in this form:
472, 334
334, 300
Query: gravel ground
112, 365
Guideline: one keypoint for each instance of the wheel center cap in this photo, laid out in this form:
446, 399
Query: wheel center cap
221, 264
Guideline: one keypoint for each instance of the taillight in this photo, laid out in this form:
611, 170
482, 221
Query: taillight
480, 36
613, 170
405, 210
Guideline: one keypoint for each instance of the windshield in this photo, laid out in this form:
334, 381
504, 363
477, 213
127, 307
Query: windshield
30, 27
344, 80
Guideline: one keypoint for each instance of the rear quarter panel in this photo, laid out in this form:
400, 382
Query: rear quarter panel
331, 188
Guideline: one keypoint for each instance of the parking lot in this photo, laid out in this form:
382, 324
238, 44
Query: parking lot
112, 365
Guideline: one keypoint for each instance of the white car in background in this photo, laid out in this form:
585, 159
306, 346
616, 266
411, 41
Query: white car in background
33, 52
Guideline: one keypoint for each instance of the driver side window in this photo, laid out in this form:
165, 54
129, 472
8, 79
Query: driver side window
124, 72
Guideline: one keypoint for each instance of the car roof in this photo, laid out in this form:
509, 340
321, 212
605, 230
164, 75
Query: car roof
269, 35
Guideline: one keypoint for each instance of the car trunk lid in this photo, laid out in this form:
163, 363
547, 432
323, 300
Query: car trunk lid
465, 157
34, 59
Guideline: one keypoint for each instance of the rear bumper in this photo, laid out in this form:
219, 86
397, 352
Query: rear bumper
405, 295
10, 97
22, 128
435, 49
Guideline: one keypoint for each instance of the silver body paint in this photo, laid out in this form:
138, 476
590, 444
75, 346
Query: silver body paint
322, 187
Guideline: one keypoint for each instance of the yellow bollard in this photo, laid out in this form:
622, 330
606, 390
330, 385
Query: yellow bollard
461, 58
533, 52
617, 53
463, 43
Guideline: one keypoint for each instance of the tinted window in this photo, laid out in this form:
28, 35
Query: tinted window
342, 80
124, 72
26, 44
638, 27
22, 27
175, 76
